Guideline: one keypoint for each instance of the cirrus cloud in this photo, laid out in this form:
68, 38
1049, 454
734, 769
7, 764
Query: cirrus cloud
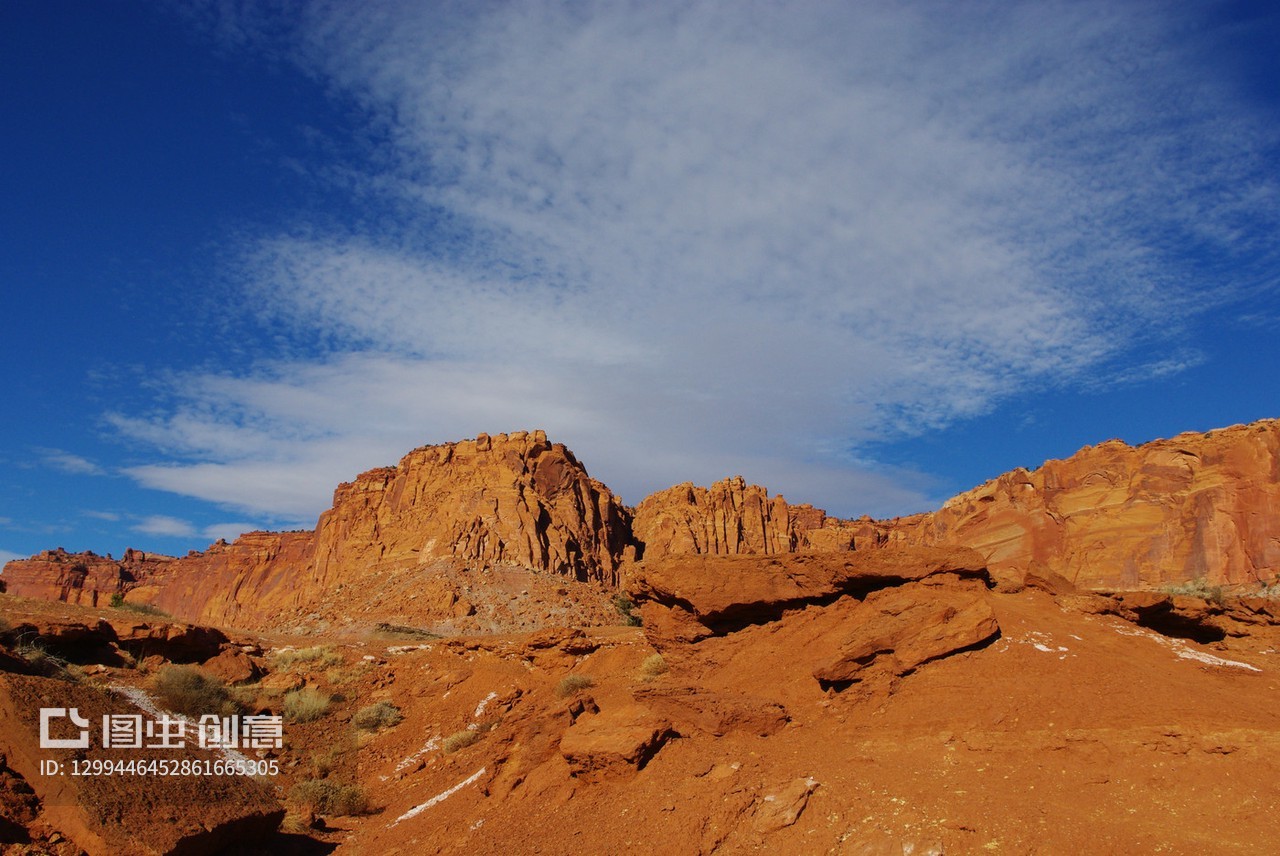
697, 240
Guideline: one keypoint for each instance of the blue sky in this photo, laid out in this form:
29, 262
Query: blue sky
865, 254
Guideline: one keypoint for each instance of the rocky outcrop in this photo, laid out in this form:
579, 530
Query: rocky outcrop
515, 499
85, 578
1120, 517
867, 618
711, 595
732, 518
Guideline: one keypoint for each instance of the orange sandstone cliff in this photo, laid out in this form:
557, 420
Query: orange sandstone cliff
1111, 516
512, 499
1114, 516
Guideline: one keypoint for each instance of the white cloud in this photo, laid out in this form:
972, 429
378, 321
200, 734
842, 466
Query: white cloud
164, 525
697, 241
227, 531
109, 516
69, 463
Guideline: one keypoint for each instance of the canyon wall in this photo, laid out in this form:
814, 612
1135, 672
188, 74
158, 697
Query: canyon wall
1111, 516
1115, 516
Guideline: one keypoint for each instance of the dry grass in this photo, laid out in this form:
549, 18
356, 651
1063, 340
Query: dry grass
329, 797
572, 684
652, 667
305, 705
189, 691
318, 657
460, 740
382, 714
1196, 588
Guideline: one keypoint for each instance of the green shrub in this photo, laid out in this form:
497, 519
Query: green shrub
305, 705
189, 691
372, 717
652, 667
1198, 587
460, 740
625, 606
572, 684
118, 602
329, 797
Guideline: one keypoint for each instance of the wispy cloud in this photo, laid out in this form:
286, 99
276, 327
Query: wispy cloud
164, 525
227, 531
70, 463
9, 556
698, 240
109, 516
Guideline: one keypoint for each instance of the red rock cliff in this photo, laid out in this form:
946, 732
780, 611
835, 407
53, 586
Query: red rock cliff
79, 577
514, 499
733, 518
1115, 516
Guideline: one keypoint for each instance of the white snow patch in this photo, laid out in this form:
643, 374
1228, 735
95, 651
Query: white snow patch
484, 702
1183, 651
430, 746
440, 797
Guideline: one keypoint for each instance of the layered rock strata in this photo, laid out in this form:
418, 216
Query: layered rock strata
1116, 517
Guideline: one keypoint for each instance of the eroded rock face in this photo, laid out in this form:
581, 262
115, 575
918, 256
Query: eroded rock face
838, 619
1119, 517
514, 498
84, 578
705, 595
732, 518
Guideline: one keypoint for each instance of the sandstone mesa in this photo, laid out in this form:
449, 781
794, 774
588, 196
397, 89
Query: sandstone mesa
1110, 517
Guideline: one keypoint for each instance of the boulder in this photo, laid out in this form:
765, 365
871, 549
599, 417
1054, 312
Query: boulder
613, 742
894, 631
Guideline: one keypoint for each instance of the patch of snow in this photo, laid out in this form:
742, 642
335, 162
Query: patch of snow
440, 797
484, 702
430, 746
1184, 651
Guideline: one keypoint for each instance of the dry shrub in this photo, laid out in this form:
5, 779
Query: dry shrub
305, 705
572, 684
381, 714
652, 667
461, 740
320, 656
329, 797
189, 691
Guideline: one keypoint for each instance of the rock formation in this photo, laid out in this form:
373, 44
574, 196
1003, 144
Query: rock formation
80, 577
1110, 517
514, 499
507, 499
1114, 516
732, 518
